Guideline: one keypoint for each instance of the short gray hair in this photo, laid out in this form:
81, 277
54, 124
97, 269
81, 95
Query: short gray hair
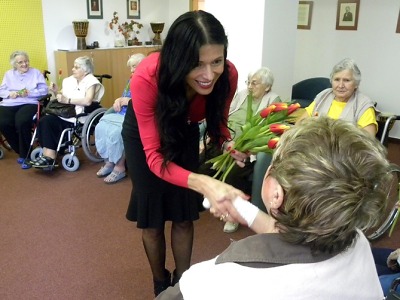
15, 54
135, 59
347, 64
265, 75
332, 189
86, 64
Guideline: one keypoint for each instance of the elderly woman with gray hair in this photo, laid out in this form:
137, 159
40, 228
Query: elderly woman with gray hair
82, 89
109, 143
344, 100
259, 85
20, 91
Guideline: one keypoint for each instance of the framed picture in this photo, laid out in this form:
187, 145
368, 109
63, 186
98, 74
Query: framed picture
133, 8
304, 14
398, 24
95, 9
347, 14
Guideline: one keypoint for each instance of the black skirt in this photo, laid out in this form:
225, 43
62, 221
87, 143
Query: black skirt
153, 200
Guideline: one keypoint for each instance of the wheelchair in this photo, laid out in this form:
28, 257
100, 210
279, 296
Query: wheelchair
385, 123
41, 103
80, 135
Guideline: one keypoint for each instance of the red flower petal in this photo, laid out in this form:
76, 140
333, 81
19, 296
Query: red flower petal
266, 111
293, 107
273, 142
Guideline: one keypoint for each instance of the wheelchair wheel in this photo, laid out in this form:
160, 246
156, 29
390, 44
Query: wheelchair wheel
70, 162
392, 207
88, 135
36, 153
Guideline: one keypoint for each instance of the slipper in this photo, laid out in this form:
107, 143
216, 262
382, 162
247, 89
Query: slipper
26, 165
104, 171
114, 177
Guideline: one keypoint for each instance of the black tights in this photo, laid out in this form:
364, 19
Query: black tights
181, 244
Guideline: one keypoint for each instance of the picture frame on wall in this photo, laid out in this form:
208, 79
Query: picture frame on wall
133, 8
347, 14
304, 14
398, 24
94, 9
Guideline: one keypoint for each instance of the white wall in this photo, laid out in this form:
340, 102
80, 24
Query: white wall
255, 37
263, 32
375, 47
59, 14
279, 48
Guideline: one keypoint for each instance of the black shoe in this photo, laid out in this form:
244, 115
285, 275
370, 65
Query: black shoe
44, 162
162, 285
175, 278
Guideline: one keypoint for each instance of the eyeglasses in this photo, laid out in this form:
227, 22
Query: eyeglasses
252, 83
19, 63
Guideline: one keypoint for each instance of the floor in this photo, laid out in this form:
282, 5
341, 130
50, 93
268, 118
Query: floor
64, 235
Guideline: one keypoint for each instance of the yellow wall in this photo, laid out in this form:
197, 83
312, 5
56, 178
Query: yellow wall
21, 28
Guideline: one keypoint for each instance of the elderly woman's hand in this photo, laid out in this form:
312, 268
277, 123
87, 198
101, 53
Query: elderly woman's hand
61, 98
392, 260
117, 105
53, 87
13, 95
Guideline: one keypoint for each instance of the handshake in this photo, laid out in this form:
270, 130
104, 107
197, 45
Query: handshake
246, 210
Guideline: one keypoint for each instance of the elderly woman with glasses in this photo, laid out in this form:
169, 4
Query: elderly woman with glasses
259, 85
20, 91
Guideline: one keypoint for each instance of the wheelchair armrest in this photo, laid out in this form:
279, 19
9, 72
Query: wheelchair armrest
100, 77
45, 99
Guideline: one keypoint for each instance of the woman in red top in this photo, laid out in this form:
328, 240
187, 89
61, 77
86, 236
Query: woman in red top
189, 80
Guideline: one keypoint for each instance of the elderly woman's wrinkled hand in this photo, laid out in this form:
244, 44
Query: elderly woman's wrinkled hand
61, 98
392, 260
117, 105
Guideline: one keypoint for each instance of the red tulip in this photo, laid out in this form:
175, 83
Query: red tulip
278, 128
280, 106
266, 111
273, 142
293, 107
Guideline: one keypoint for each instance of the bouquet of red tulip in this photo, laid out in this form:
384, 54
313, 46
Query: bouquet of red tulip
260, 133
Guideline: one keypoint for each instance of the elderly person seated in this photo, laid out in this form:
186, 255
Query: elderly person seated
259, 85
108, 139
344, 100
319, 200
81, 89
20, 90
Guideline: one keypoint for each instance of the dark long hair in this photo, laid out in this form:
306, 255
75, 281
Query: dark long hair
179, 55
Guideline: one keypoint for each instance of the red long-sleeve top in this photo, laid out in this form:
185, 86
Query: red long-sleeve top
144, 82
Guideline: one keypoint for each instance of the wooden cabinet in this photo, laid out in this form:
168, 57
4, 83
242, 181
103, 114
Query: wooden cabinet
106, 61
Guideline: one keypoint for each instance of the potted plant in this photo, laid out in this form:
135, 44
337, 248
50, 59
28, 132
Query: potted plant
124, 32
